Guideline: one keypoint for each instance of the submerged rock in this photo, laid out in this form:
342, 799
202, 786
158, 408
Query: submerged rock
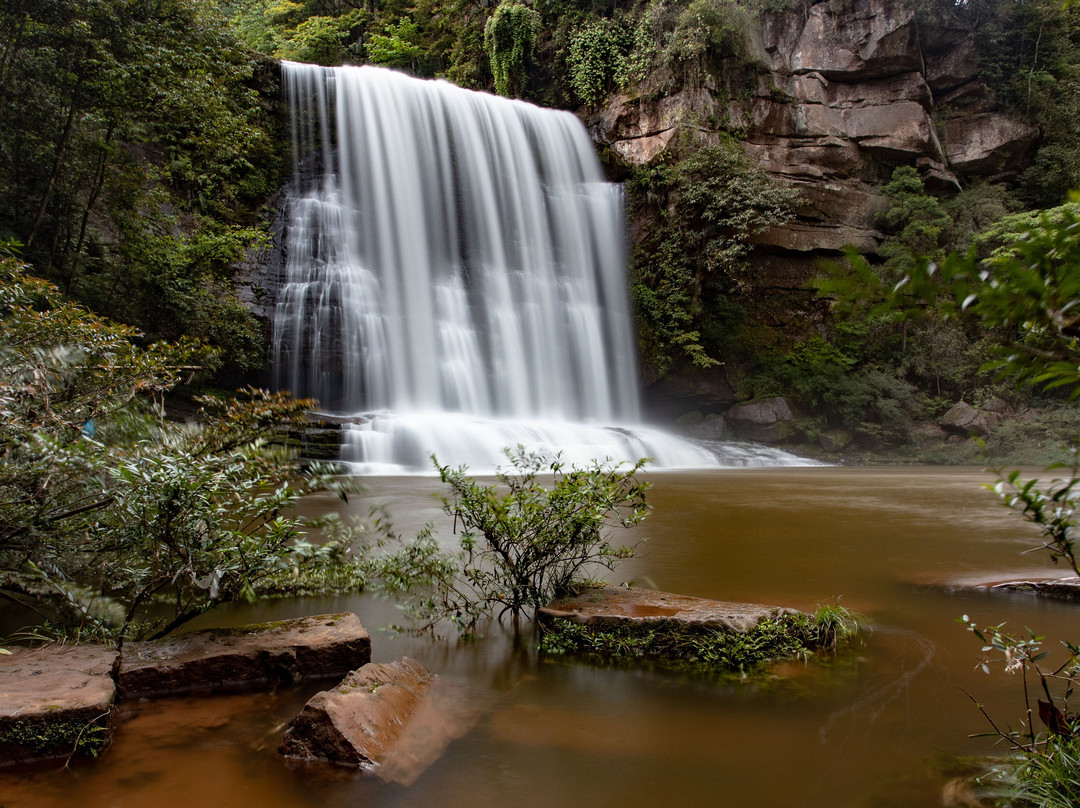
620, 622
245, 658
392, 720
55, 702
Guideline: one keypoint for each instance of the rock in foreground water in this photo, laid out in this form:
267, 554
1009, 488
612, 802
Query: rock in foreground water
55, 702
392, 720
618, 622
246, 657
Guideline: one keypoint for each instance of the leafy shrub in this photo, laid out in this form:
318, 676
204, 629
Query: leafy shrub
598, 59
396, 46
155, 522
522, 541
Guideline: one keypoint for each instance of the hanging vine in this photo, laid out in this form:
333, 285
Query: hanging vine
509, 39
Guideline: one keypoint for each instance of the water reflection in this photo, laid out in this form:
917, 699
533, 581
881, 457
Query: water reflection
863, 731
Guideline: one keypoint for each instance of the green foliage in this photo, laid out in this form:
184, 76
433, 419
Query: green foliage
598, 59
46, 737
1035, 750
707, 207
320, 40
510, 36
123, 123
396, 47
915, 222
158, 522
522, 541
1025, 289
1051, 507
1029, 56
708, 29
678, 44
835, 383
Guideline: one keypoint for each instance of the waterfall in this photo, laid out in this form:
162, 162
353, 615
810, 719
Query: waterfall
455, 278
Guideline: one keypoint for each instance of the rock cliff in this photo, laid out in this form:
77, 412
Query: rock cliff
838, 94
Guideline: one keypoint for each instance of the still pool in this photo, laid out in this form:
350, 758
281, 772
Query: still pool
880, 726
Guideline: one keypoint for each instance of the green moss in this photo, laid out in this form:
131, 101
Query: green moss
780, 637
59, 738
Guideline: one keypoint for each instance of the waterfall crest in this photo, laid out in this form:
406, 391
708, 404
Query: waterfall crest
455, 277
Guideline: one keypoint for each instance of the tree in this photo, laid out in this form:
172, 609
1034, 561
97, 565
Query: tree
116, 522
129, 134
522, 542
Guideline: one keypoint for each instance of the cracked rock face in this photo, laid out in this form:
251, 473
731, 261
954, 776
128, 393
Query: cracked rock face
846, 92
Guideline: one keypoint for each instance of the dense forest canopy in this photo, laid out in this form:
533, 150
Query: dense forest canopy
141, 139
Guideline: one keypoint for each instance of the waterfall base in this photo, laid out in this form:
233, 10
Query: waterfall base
387, 443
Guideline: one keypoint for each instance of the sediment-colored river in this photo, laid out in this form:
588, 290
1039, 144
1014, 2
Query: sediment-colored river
874, 729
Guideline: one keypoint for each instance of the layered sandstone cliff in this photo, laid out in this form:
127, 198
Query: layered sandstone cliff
838, 95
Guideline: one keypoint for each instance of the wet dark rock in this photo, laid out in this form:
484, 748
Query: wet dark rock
245, 658
55, 702
1058, 588
761, 419
1067, 588
392, 720
964, 420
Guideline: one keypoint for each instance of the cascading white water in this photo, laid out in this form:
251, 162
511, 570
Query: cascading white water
455, 277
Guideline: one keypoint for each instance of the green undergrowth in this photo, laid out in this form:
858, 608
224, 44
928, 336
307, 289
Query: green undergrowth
66, 738
1048, 778
703, 648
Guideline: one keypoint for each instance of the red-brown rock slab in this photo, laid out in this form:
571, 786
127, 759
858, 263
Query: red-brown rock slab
392, 720
612, 605
55, 702
1026, 583
246, 657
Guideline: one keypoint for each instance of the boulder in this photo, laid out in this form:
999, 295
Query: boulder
988, 142
392, 720
964, 420
761, 419
245, 658
631, 624
55, 702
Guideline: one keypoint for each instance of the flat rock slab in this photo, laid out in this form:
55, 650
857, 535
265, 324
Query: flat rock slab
614, 605
246, 657
392, 720
55, 702
1058, 588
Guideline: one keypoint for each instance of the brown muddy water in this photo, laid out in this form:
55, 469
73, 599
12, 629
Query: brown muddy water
876, 728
